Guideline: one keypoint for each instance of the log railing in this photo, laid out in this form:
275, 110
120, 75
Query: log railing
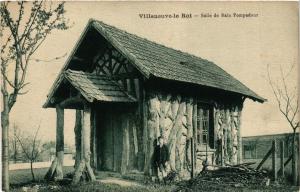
272, 152
281, 170
283, 164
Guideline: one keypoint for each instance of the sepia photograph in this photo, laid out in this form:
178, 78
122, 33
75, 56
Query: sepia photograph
149, 96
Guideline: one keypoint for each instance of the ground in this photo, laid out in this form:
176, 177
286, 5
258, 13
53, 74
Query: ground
21, 181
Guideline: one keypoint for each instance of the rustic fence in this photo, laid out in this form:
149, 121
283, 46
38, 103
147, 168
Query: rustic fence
273, 152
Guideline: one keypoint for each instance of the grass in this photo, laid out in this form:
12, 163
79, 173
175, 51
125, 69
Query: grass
23, 176
21, 179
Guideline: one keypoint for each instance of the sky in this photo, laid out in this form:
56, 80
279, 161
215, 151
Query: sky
244, 47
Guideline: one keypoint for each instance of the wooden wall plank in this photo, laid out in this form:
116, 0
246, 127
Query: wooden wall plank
125, 151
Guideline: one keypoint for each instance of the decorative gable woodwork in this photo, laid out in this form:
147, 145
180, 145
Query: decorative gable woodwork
111, 63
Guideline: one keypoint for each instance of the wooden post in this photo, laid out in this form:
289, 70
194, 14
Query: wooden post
222, 151
84, 169
86, 132
59, 141
77, 131
282, 159
239, 138
94, 140
195, 134
55, 172
192, 157
274, 166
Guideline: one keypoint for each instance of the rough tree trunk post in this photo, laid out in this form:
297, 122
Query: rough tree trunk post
175, 133
55, 172
240, 147
77, 131
152, 126
94, 140
84, 169
195, 135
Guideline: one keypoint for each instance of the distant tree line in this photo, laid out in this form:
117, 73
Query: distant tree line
23, 146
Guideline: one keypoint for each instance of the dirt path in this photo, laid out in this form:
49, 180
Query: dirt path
36, 165
119, 181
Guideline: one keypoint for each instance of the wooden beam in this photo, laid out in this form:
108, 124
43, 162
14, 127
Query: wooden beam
125, 76
70, 101
265, 158
75, 58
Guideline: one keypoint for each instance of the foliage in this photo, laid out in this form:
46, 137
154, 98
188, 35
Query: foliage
21, 35
24, 26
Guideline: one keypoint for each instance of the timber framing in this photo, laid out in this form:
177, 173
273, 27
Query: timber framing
128, 91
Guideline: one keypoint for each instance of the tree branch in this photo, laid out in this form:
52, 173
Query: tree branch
23, 148
34, 142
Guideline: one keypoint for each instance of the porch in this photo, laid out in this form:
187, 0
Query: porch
103, 110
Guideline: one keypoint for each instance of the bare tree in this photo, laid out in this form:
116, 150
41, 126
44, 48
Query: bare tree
31, 148
287, 99
13, 143
24, 28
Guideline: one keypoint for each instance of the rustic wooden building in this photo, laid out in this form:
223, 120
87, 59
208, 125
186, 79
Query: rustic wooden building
128, 90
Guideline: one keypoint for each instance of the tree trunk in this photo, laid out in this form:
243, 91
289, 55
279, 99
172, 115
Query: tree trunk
239, 137
77, 131
294, 159
194, 135
189, 110
55, 172
31, 169
152, 126
5, 126
84, 170
174, 133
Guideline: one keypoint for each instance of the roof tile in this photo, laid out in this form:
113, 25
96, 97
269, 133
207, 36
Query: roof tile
95, 87
165, 62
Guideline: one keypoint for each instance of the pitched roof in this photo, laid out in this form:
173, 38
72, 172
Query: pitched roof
96, 87
160, 61
153, 59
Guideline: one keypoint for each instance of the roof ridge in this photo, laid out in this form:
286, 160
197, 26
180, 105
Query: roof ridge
151, 41
159, 56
